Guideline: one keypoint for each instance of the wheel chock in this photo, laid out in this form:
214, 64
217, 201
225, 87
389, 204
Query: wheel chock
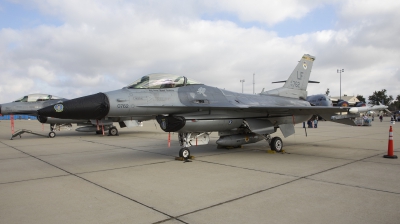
182, 159
271, 151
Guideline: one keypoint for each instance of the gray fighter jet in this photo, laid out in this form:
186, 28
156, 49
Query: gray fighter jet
361, 107
30, 104
194, 110
320, 100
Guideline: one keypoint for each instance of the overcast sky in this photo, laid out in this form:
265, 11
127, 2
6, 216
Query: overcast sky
73, 48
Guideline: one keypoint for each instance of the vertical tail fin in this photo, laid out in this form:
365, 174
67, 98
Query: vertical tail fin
296, 85
301, 74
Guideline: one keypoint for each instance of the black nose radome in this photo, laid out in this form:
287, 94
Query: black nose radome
94, 106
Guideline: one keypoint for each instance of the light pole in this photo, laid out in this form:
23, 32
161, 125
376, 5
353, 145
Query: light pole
340, 71
254, 81
242, 81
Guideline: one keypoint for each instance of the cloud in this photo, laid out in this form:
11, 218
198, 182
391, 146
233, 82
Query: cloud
103, 45
37, 71
268, 12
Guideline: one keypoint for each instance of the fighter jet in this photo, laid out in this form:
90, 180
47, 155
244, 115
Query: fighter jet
30, 104
194, 110
320, 100
360, 107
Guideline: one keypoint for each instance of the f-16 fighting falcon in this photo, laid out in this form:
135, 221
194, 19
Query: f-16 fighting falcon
194, 110
323, 100
30, 104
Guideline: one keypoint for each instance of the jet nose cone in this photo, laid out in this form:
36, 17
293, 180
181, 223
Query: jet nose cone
94, 106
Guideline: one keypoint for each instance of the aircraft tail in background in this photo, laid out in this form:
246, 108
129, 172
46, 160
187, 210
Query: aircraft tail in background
296, 84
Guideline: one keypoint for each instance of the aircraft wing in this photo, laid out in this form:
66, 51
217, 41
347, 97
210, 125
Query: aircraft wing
215, 112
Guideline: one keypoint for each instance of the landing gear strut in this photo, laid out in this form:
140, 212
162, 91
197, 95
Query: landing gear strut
187, 139
58, 127
275, 143
184, 141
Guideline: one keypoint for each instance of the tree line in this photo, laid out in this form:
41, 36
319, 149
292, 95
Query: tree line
381, 97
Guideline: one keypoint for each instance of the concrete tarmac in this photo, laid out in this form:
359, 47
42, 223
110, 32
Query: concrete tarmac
337, 174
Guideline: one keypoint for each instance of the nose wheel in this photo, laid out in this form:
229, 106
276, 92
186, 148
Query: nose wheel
184, 153
52, 134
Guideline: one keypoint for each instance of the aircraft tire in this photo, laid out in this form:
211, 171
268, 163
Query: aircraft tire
184, 153
52, 134
113, 131
276, 144
99, 132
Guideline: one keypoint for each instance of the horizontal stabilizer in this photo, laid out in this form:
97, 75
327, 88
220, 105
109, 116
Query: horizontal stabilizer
285, 81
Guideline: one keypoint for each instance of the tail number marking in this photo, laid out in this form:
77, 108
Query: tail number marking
124, 106
295, 84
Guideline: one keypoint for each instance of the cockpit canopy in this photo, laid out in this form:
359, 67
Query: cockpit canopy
37, 97
161, 81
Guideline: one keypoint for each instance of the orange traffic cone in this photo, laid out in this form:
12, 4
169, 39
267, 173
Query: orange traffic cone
390, 146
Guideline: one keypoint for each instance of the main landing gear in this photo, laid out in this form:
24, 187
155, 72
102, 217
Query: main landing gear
275, 143
112, 131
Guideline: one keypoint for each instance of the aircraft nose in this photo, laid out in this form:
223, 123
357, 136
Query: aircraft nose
94, 106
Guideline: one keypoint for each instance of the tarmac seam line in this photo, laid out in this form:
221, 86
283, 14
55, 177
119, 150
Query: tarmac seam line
238, 198
354, 161
139, 150
260, 191
250, 169
349, 185
41, 178
125, 167
98, 185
